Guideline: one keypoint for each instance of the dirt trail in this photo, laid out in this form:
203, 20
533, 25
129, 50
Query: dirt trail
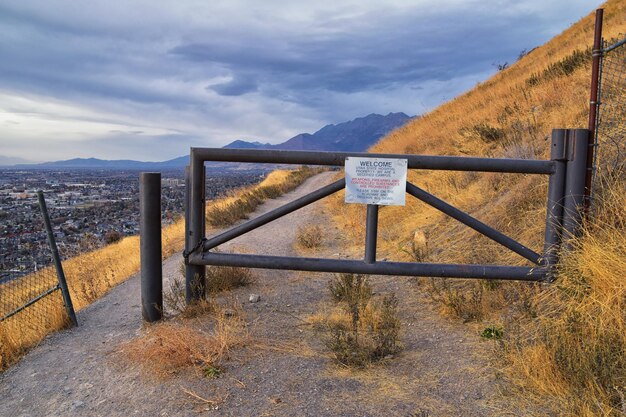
443, 370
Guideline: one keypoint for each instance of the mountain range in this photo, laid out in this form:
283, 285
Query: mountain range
353, 136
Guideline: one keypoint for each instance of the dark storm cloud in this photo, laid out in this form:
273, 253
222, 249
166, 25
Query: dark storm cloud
235, 87
395, 49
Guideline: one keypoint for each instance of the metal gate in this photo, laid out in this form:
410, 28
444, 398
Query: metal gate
566, 170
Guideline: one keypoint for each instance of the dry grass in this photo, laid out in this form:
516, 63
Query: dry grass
351, 289
309, 236
224, 278
575, 350
168, 348
244, 201
91, 275
217, 279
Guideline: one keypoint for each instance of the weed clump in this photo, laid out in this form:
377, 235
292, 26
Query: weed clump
309, 236
562, 68
218, 279
484, 131
224, 278
362, 329
462, 301
351, 289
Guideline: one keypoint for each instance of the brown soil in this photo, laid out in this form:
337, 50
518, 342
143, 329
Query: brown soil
444, 369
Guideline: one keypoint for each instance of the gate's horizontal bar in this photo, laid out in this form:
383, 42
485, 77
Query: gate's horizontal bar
274, 214
378, 268
30, 302
452, 163
475, 224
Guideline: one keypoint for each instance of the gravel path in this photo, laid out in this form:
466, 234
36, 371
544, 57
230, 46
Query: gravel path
443, 370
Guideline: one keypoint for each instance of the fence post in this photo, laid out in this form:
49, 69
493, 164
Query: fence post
593, 106
69, 307
371, 232
195, 275
575, 181
150, 246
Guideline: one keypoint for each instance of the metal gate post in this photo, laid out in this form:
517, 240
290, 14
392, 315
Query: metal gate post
194, 229
150, 246
556, 190
371, 232
69, 307
576, 171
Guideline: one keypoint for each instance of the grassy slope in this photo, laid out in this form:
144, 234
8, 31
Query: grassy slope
512, 115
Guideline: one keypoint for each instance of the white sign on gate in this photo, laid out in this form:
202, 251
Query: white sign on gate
380, 181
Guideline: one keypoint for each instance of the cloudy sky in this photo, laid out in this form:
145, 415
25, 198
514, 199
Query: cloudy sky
147, 79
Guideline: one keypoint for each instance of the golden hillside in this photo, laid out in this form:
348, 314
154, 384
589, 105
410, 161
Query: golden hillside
568, 350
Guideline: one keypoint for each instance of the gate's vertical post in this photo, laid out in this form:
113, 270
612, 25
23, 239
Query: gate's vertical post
556, 189
150, 246
575, 177
69, 307
371, 233
195, 274
188, 243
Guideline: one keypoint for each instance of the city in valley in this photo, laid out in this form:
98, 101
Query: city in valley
88, 209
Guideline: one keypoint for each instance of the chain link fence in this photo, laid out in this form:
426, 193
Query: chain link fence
31, 305
611, 127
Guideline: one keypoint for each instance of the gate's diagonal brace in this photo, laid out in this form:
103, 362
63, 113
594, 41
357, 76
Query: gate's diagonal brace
274, 214
524, 273
475, 224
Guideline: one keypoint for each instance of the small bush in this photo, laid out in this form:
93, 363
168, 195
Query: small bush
350, 288
463, 301
224, 278
112, 236
492, 332
371, 338
562, 68
174, 296
488, 133
362, 330
484, 132
218, 279
309, 236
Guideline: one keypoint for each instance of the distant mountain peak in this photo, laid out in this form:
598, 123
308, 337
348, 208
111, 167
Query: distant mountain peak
352, 136
242, 144
355, 135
